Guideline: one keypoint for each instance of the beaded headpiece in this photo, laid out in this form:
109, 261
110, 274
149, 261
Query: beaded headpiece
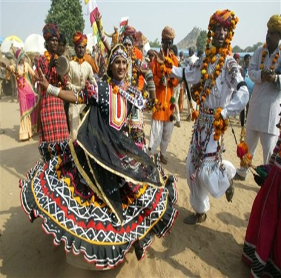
118, 52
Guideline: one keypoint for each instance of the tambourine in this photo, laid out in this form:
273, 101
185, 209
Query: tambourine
62, 65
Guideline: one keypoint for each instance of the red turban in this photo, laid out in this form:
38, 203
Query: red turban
79, 39
226, 18
168, 33
50, 30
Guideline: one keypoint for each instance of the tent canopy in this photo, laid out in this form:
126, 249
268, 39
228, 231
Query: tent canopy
34, 43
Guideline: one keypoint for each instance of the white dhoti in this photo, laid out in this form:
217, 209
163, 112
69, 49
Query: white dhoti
160, 134
74, 118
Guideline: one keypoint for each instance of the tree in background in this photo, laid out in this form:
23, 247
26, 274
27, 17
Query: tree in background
67, 14
155, 43
201, 41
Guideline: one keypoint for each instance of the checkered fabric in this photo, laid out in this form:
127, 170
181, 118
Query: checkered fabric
53, 126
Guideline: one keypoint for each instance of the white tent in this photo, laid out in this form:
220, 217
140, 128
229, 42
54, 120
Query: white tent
34, 43
9, 42
92, 40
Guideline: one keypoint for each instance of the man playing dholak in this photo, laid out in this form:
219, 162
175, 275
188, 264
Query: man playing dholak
80, 71
162, 119
220, 92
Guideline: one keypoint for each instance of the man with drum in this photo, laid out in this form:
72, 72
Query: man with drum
79, 72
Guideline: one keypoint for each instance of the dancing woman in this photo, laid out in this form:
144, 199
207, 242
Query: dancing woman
101, 194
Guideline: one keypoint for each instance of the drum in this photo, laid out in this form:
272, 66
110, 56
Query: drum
62, 65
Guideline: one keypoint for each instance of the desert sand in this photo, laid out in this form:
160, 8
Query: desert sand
210, 249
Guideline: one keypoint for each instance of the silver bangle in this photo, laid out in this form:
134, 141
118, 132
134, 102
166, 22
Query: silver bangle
52, 90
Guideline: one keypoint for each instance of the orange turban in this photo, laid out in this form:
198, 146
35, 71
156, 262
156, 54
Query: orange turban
168, 33
225, 18
274, 23
79, 39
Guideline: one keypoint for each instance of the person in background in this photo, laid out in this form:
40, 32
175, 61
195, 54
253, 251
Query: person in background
250, 85
266, 97
61, 45
162, 119
236, 56
80, 71
53, 125
190, 103
177, 91
27, 96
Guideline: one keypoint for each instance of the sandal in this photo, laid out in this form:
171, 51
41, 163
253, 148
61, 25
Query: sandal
195, 218
229, 193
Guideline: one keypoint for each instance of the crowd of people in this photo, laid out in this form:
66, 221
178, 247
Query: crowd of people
101, 188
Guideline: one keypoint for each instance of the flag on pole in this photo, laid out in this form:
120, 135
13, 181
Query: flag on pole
124, 21
93, 10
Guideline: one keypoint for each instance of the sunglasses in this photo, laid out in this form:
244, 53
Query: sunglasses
127, 44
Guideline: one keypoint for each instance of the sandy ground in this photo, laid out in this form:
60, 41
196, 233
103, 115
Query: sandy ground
211, 249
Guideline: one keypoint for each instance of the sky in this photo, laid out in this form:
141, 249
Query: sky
25, 17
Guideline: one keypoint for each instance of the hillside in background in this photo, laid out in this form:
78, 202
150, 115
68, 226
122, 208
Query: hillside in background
190, 39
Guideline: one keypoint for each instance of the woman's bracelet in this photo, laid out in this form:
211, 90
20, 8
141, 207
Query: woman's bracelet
52, 90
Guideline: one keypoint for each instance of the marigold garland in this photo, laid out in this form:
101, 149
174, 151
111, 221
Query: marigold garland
219, 124
274, 60
79, 60
213, 55
48, 55
243, 154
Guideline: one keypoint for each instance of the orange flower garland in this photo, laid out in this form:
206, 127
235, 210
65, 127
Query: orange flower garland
213, 55
48, 55
167, 66
79, 60
274, 60
220, 125
243, 154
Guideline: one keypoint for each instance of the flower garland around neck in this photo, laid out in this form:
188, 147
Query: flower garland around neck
115, 87
167, 66
214, 56
48, 55
79, 60
274, 60
21, 85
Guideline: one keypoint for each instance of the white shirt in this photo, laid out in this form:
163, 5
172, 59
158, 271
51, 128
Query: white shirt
224, 93
264, 105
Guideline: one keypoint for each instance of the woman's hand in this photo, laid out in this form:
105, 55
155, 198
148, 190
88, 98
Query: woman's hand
41, 79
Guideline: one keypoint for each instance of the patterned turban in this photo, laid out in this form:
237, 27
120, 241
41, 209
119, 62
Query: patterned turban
168, 33
79, 39
50, 30
225, 18
274, 23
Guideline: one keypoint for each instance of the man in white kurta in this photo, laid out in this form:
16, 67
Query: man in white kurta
264, 105
207, 173
80, 71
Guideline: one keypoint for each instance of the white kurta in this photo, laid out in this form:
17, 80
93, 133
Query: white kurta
77, 77
266, 97
206, 172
